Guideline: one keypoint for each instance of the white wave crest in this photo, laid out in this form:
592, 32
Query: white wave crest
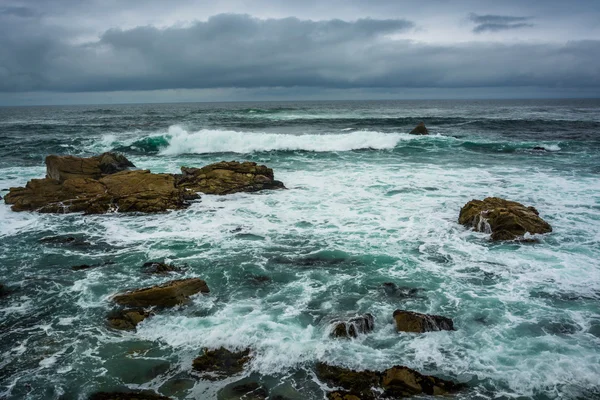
221, 141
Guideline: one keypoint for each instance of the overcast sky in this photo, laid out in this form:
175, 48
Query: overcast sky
112, 51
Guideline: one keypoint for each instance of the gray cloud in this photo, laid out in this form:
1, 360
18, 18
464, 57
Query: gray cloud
496, 23
22, 12
239, 51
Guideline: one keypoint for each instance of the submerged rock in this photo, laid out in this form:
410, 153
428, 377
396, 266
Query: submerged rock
128, 319
353, 327
61, 168
159, 268
250, 391
220, 363
395, 382
3, 290
420, 129
140, 395
228, 177
168, 294
504, 219
408, 321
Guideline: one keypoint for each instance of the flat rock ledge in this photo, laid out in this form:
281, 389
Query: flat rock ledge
106, 183
409, 321
220, 363
503, 219
169, 294
395, 382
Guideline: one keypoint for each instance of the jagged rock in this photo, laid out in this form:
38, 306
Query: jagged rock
220, 363
395, 382
504, 219
61, 168
159, 268
420, 129
128, 319
399, 382
408, 321
353, 327
141, 395
168, 294
228, 177
127, 191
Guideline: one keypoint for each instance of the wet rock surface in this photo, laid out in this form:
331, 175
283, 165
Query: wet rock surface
168, 294
503, 219
228, 177
353, 327
395, 382
420, 129
220, 363
61, 168
408, 321
159, 268
127, 319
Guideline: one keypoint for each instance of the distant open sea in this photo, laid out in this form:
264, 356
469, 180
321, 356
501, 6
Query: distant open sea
367, 204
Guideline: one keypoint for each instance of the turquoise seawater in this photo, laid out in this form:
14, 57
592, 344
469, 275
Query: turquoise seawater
366, 204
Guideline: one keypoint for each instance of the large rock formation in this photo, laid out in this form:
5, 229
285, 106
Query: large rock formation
408, 321
228, 177
168, 294
353, 327
101, 184
61, 168
504, 219
220, 363
420, 130
395, 382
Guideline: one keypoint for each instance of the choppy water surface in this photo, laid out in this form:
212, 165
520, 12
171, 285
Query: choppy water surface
366, 204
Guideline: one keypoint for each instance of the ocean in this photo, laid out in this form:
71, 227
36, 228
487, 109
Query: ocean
366, 204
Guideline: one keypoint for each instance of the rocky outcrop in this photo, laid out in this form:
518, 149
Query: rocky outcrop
61, 168
228, 177
408, 321
353, 327
103, 183
127, 191
395, 382
220, 363
503, 219
133, 395
159, 268
128, 319
168, 294
420, 129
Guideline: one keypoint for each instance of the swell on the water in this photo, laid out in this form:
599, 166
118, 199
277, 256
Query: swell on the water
182, 141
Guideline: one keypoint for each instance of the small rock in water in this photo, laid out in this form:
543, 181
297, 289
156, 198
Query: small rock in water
159, 268
408, 321
221, 363
82, 267
3, 290
128, 319
169, 294
353, 327
420, 129
539, 148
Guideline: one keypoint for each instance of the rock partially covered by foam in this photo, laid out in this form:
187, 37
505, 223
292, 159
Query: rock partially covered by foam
420, 129
228, 177
220, 363
408, 321
353, 327
169, 294
128, 319
62, 168
395, 382
503, 219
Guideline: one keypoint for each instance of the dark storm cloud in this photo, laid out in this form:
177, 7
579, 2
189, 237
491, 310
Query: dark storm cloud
496, 23
240, 51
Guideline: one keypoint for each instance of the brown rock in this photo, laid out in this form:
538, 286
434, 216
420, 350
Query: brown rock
401, 382
342, 396
358, 383
228, 177
503, 219
408, 321
159, 268
221, 363
128, 319
353, 327
61, 168
420, 130
166, 295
